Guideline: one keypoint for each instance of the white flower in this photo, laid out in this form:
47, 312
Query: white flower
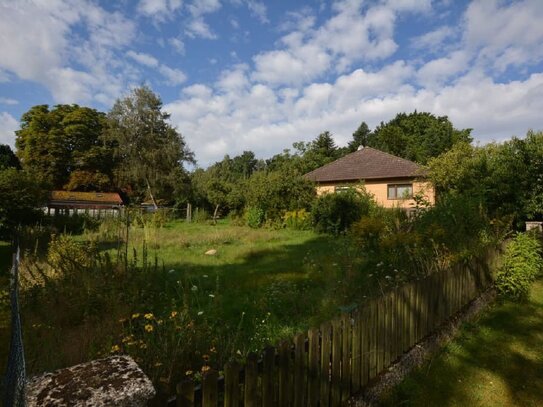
379, 264
212, 295
194, 288
171, 271
200, 313
204, 276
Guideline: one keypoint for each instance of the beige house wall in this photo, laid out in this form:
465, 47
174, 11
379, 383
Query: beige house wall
379, 190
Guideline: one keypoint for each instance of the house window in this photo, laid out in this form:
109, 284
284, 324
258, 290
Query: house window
400, 191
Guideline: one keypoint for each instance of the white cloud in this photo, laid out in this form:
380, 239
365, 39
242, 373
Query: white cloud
259, 10
159, 9
39, 42
173, 76
197, 27
505, 34
433, 40
8, 101
8, 125
178, 45
142, 58
439, 71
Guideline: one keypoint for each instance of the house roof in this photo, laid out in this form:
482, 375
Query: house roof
93, 197
366, 163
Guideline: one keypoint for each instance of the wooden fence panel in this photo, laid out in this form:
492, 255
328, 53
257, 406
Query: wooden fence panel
284, 374
373, 326
326, 354
357, 356
268, 378
251, 381
185, 394
335, 371
346, 356
299, 370
365, 348
210, 388
231, 384
313, 364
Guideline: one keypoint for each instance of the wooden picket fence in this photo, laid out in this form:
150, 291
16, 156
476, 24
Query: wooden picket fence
326, 365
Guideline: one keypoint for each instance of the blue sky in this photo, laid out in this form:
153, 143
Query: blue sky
252, 75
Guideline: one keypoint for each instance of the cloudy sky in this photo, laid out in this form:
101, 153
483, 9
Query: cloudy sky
258, 75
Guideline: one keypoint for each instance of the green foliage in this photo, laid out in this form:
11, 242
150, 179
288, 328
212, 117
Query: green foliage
297, 219
8, 159
360, 137
278, 191
505, 178
64, 142
521, 266
335, 213
20, 197
417, 136
254, 217
150, 152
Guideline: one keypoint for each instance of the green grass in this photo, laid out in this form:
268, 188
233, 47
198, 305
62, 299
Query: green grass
497, 361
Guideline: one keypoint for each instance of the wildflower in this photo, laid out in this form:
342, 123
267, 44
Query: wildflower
212, 295
200, 313
189, 372
194, 288
173, 314
158, 364
134, 316
205, 276
205, 357
149, 328
213, 350
122, 320
115, 348
149, 316
171, 271
160, 322
143, 346
205, 368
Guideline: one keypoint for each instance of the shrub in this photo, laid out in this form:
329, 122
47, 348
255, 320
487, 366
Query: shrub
335, 213
521, 265
299, 219
254, 217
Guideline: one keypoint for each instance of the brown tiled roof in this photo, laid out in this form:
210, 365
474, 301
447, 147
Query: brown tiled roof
97, 197
367, 163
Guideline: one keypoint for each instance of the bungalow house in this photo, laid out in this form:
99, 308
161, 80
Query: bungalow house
91, 203
393, 181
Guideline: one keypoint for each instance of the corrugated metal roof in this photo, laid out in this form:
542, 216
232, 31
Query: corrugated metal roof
98, 197
366, 163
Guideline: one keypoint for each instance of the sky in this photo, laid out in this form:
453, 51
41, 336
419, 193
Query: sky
257, 75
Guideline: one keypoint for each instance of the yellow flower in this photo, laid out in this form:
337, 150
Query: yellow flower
149, 328
134, 316
149, 316
205, 368
115, 348
205, 357
160, 322
189, 372
173, 314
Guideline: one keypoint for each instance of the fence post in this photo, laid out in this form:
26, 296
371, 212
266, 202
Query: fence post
284, 374
313, 365
346, 357
231, 384
299, 370
326, 350
210, 391
251, 381
185, 394
268, 377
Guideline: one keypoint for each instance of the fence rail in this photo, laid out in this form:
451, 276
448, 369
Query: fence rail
325, 366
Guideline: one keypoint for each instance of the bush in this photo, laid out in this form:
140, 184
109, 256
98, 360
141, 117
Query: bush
254, 217
521, 265
335, 213
299, 220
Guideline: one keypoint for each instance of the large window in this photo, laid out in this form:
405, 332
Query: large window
400, 191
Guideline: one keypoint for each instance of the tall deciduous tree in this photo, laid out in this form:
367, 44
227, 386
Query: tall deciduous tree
61, 143
149, 150
417, 136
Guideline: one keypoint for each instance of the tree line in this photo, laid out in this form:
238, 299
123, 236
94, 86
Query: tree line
134, 150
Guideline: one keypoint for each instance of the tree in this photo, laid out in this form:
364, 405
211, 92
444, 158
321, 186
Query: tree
417, 136
21, 196
150, 151
59, 143
361, 137
317, 153
8, 159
